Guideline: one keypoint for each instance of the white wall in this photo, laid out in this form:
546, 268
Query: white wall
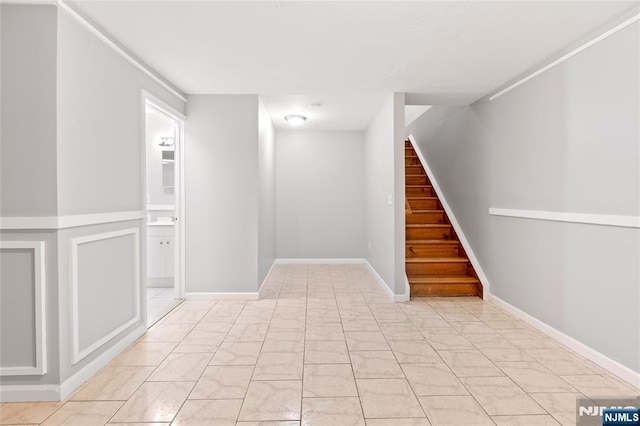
221, 165
566, 141
384, 177
320, 194
99, 122
28, 105
100, 151
267, 193
93, 154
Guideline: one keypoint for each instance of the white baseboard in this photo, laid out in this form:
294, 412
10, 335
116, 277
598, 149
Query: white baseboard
222, 296
319, 261
21, 393
379, 279
89, 370
266, 278
614, 367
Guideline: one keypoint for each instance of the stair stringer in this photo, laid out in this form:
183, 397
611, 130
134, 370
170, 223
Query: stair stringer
484, 281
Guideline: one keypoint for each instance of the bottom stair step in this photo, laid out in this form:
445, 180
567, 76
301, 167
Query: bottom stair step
451, 285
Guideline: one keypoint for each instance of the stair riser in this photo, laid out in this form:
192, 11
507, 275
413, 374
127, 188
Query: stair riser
416, 180
418, 218
414, 170
437, 268
411, 161
463, 289
419, 192
423, 204
427, 234
433, 250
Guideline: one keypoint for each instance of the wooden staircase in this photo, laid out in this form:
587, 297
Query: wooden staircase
436, 263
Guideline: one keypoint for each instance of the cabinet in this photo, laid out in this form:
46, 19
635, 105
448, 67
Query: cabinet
160, 252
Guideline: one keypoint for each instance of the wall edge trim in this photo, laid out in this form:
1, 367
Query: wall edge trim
614, 367
571, 217
266, 277
122, 52
70, 221
320, 261
567, 55
23, 393
89, 370
221, 296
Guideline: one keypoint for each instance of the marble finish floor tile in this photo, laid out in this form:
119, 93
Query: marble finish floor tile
433, 379
454, 411
326, 346
181, 368
332, 411
272, 400
113, 383
328, 380
375, 365
220, 412
388, 398
500, 396
154, 402
223, 382
84, 413
326, 352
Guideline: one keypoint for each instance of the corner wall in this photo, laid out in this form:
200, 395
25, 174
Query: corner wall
222, 211
565, 141
384, 194
266, 193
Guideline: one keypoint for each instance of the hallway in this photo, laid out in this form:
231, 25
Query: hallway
326, 346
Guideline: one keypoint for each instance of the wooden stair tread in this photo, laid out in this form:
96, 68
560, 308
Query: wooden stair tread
416, 242
422, 198
439, 259
442, 279
416, 211
428, 225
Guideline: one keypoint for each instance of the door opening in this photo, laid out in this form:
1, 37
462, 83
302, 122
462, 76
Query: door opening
163, 134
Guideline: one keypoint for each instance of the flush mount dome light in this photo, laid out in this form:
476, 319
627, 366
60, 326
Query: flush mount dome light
295, 120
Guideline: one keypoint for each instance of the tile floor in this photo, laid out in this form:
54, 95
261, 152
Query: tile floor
160, 301
326, 347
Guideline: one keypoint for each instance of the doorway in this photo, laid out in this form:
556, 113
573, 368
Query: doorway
163, 195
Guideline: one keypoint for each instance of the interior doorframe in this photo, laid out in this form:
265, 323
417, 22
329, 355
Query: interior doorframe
147, 99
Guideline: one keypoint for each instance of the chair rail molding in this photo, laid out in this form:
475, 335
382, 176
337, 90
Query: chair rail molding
585, 218
77, 353
40, 369
65, 222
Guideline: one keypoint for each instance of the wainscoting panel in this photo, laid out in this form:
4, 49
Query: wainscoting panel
22, 308
105, 288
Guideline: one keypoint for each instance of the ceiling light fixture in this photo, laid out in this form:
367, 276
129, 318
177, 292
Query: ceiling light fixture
295, 120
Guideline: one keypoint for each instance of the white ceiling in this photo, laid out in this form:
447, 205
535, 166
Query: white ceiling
338, 112
446, 52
